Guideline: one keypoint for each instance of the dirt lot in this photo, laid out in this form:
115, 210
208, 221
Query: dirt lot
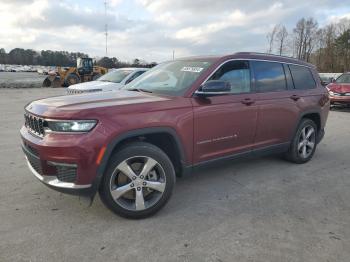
256, 210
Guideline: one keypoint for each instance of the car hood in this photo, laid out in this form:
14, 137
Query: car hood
105, 86
339, 88
84, 104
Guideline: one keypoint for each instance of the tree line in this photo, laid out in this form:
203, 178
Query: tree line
20, 56
326, 47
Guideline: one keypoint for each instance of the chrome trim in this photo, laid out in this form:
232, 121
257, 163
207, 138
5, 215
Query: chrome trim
197, 92
53, 181
61, 164
30, 130
70, 120
250, 59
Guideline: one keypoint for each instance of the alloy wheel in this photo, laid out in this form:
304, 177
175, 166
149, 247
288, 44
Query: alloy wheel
137, 183
307, 141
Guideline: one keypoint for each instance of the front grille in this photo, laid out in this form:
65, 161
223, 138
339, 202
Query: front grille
80, 91
34, 124
73, 91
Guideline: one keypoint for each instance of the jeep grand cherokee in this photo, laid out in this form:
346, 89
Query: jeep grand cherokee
129, 145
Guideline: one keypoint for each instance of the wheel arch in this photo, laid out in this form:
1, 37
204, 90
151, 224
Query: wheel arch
148, 135
315, 116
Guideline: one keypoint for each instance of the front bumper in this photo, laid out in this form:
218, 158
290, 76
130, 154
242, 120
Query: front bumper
54, 183
65, 163
340, 99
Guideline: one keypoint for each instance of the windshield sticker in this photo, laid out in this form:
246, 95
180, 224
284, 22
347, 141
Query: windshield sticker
192, 69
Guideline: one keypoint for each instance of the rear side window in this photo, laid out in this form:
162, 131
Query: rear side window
269, 76
302, 77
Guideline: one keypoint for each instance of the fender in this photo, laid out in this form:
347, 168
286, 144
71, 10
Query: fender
133, 133
301, 116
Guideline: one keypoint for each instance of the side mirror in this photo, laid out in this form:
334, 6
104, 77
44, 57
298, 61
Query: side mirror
324, 83
214, 87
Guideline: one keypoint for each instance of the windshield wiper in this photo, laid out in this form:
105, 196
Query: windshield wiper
139, 90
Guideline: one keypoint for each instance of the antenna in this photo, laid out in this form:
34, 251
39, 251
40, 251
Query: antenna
106, 25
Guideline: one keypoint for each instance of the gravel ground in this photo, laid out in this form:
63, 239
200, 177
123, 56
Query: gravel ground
20, 80
264, 209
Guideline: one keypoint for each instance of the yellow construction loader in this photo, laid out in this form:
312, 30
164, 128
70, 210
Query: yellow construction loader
85, 71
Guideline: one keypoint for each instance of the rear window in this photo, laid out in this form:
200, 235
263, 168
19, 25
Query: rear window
302, 77
269, 76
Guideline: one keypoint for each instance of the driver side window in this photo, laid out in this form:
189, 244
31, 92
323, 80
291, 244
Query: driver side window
237, 73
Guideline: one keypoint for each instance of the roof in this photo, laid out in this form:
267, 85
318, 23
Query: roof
250, 55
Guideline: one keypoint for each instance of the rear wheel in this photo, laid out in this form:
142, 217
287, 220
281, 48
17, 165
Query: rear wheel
304, 143
138, 182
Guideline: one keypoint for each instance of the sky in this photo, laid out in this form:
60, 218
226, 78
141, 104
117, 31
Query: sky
152, 29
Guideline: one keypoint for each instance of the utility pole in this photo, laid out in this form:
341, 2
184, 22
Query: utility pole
106, 25
173, 54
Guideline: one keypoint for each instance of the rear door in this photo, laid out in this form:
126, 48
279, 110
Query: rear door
225, 124
278, 111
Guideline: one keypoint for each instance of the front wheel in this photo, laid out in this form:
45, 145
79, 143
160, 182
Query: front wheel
71, 79
138, 182
303, 145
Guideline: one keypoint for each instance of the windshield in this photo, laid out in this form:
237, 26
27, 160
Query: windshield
343, 79
170, 78
115, 76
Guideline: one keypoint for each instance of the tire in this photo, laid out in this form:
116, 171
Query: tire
71, 79
302, 147
124, 191
47, 82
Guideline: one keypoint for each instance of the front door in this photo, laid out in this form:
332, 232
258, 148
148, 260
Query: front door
225, 124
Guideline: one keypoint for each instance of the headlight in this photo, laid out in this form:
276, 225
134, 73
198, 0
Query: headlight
70, 125
331, 93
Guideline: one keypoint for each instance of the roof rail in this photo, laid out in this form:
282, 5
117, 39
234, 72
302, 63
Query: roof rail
267, 54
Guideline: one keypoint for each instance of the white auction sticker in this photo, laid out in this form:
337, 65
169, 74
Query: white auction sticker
192, 69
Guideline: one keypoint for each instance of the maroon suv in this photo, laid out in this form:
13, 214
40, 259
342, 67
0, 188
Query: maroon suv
129, 145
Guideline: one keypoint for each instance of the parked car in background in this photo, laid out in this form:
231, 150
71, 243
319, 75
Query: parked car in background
113, 80
339, 90
129, 145
327, 78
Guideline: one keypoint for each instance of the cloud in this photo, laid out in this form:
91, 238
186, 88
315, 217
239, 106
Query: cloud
60, 14
152, 29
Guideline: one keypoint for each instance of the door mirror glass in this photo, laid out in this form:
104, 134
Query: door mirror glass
215, 87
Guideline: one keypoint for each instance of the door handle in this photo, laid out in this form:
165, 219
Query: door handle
295, 97
247, 101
